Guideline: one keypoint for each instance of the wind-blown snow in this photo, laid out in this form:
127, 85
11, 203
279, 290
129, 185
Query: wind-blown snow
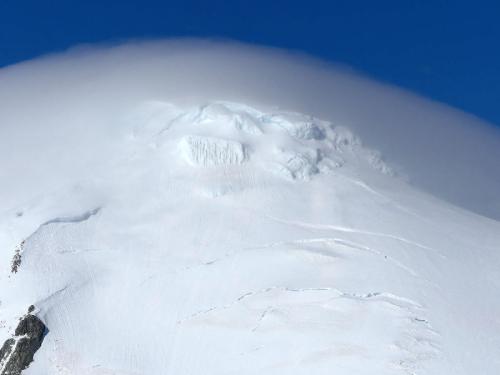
210, 236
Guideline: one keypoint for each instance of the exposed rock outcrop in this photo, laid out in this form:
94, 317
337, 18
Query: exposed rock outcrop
16, 260
17, 352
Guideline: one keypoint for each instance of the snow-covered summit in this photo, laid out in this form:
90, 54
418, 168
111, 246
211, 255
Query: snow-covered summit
290, 145
218, 237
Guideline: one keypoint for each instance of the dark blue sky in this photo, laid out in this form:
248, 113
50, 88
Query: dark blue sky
445, 50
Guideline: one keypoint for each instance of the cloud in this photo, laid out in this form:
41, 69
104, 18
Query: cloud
76, 100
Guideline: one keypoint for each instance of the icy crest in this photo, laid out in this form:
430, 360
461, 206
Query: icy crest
290, 145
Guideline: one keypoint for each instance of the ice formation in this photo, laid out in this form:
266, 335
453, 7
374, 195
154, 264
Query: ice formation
290, 145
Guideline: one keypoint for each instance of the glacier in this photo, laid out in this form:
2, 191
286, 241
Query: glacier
225, 236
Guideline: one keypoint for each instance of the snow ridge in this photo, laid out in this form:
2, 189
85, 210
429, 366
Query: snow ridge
290, 145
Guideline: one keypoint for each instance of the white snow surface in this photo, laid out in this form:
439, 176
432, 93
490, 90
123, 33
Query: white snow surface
222, 238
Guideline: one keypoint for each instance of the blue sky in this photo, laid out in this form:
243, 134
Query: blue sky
445, 50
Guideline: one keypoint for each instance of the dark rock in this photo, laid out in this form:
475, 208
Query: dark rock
17, 258
17, 352
5, 350
16, 262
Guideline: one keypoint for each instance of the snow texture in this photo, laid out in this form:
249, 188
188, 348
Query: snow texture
209, 151
227, 237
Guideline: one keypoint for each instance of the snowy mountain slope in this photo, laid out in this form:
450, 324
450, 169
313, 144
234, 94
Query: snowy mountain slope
221, 238
79, 98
